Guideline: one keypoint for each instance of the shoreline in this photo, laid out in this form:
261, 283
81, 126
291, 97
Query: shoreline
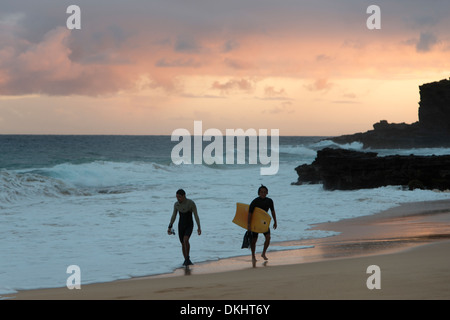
398, 237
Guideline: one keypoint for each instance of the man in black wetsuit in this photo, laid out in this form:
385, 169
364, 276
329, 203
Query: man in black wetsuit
185, 225
264, 203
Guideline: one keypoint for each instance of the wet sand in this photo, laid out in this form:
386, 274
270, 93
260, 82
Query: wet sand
410, 244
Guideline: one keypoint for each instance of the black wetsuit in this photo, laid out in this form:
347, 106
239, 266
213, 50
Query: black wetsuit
185, 225
187, 208
264, 204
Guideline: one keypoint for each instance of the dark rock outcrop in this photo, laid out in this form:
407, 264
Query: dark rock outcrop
434, 107
432, 129
340, 169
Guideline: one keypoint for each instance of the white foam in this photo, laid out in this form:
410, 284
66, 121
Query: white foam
113, 223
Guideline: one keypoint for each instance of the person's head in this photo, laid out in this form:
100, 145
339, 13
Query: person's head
181, 195
263, 191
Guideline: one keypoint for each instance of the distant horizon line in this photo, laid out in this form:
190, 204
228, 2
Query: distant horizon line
134, 135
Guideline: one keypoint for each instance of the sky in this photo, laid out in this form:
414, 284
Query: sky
152, 66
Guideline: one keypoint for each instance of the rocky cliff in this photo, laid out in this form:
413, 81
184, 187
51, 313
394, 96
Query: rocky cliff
434, 107
432, 129
339, 169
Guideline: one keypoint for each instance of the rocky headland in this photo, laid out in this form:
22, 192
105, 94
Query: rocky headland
339, 169
431, 131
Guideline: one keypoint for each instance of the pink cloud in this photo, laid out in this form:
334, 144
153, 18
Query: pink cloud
233, 84
319, 85
120, 43
46, 67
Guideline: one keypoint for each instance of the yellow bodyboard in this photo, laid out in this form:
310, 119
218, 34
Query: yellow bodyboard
260, 219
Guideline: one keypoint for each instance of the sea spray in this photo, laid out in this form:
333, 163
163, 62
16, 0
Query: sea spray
103, 203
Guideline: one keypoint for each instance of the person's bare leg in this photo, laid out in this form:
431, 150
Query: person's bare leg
186, 246
266, 245
183, 249
253, 247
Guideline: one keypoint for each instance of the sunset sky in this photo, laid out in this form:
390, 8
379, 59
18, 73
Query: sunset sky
149, 67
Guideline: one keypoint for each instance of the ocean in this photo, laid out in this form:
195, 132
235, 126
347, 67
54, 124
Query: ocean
103, 203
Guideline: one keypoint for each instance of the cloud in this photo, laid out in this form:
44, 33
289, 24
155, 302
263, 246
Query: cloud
230, 45
270, 91
233, 85
238, 64
205, 96
323, 58
426, 42
178, 63
171, 40
46, 67
11, 19
320, 85
187, 44
25, 66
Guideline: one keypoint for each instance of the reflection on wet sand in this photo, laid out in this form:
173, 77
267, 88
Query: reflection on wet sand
390, 231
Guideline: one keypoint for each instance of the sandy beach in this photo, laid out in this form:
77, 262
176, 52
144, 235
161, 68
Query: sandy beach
409, 244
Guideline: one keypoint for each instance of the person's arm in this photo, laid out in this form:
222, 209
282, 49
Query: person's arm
172, 220
250, 213
274, 216
197, 219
